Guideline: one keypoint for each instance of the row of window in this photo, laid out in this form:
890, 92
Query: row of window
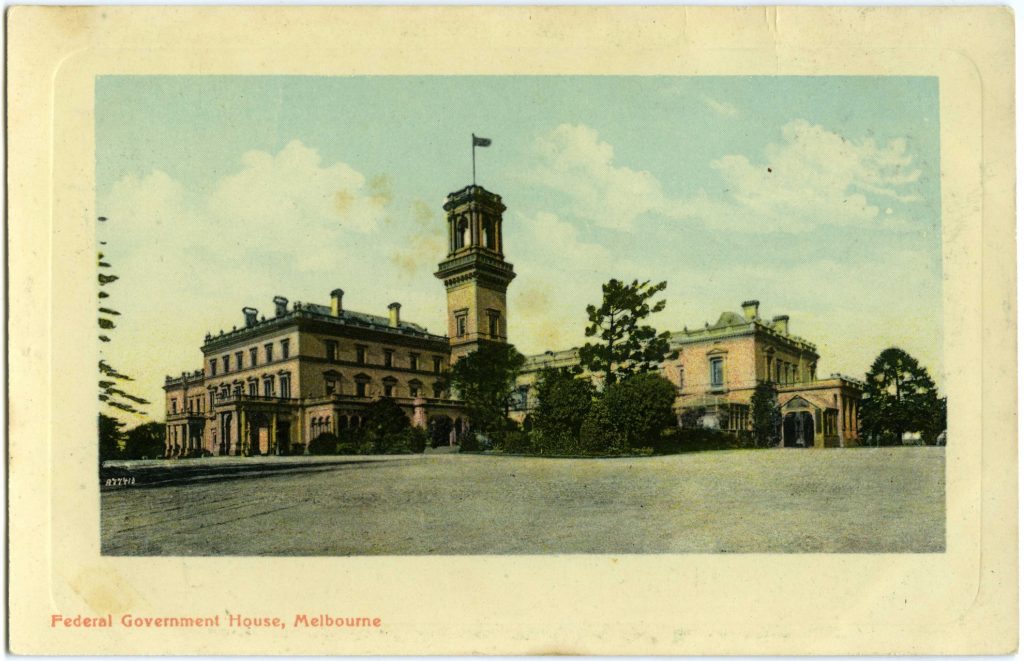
239, 356
332, 354
781, 371
280, 387
493, 323
361, 382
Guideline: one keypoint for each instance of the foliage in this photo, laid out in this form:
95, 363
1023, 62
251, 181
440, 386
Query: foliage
484, 380
899, 396
766, 415
111, 433
600, 432
350, 441
325, 443
111, 392
468, 442
936, 422
415, 440
439, 428
641, 407
562, 402
384, 420
701, 440
145, 441
514, 441
627, 346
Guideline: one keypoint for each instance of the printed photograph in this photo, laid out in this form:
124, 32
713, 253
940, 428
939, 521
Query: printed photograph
475, 315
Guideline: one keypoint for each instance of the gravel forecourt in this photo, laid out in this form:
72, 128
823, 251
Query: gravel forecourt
862, 500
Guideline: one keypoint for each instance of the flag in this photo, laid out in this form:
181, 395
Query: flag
481, 142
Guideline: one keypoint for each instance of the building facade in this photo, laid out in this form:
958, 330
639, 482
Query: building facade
717, 368
276, 383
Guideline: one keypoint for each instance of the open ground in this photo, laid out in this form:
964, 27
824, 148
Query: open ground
745, 501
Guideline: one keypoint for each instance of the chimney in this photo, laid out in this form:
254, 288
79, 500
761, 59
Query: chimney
393, 314
280, 306
336, 296
781, 324
750, 310
250, 316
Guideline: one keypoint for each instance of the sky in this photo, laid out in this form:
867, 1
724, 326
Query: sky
818, 196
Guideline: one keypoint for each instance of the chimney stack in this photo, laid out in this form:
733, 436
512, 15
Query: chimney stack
750, 310
393, 314
250, 316
280, 306
781, 324
336, 296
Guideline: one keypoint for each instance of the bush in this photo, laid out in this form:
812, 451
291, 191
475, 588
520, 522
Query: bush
562, 403
640, 408
416, 440
468, 442
514, 441
326, 443
350, 442
700, 440
297, 449
600, 433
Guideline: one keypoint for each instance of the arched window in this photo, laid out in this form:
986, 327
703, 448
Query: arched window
489, 234
462, 233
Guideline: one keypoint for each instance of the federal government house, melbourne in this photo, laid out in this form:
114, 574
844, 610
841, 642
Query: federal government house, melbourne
278, 382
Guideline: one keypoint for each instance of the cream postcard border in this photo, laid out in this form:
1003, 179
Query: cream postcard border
960, 601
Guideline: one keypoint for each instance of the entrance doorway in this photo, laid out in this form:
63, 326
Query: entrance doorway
798, 430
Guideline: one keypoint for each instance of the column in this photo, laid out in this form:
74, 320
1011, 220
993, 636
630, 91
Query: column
451, 236
273, 435
497, 236
244, 440
841, 420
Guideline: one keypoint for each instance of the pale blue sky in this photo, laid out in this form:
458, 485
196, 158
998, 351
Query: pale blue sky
224, 191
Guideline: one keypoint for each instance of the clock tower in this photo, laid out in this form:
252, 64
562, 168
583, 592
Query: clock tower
475, 273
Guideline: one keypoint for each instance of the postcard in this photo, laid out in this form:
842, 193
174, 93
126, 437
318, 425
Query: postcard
512, 331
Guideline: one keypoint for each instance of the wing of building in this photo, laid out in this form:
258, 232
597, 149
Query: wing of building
717, 369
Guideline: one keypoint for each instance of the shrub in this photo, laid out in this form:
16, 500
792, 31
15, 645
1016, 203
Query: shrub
600, 433
384, 421
416, 440
468, 442
326, 443
562, 402
700, 440
514, 441
297, 449
640, 408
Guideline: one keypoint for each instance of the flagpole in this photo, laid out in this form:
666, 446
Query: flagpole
473, 140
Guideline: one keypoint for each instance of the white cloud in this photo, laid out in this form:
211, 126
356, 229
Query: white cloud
723, 108
573, 160
813, 177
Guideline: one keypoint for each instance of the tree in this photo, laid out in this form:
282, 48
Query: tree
325, 443
384, 423
484, 380
145, 441
440, 429
899, 396
641, 407
111, 431
600, 433
563, 402
111, 393
766, 415
627, 346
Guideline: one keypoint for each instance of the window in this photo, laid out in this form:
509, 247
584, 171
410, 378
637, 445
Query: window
238, 390
254, 388
361, 383
389, 387
268, 387
174, 406
211, 399
438, 391
269, 348
285, 346
717, 373
286, 386
414, 388
389, 356
460, 325
414, 361
252, 357
462, 234
492, 323
437, 364
238, 361
361, 355
213, 367
332, 350
682, 378
227, 364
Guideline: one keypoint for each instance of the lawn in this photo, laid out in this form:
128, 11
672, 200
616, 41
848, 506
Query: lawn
744, 501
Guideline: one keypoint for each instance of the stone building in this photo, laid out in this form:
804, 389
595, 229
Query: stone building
276, 383
719, 365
